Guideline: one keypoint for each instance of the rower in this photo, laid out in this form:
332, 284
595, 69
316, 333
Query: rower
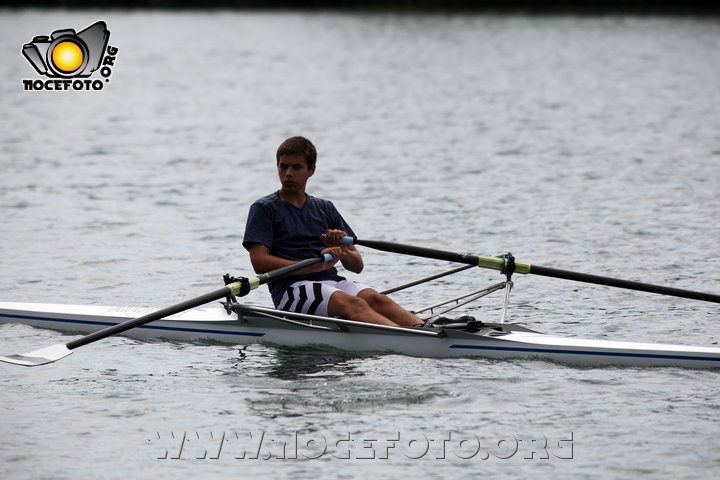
289, 225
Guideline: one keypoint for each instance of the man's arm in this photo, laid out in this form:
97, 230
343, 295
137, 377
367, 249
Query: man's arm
351, 260
263, 262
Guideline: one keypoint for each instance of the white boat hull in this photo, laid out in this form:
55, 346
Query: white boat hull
494, 342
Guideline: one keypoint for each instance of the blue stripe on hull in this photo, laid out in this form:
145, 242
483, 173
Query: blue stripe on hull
151, 327
584, 352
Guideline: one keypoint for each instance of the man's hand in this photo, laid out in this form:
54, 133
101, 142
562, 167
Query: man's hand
350, 257
333, 238
338, 253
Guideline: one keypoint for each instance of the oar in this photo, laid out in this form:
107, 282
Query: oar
239, 288
501, 264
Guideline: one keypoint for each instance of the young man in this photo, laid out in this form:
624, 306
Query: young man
289, 225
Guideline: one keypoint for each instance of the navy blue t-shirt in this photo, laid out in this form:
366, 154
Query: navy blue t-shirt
293, 233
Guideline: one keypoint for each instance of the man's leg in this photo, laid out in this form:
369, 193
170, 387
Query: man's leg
355, 308
346, 299
386, 307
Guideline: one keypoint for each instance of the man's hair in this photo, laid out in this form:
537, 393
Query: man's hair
298, 146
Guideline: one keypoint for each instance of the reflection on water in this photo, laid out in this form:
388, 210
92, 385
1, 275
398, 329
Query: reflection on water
304, 363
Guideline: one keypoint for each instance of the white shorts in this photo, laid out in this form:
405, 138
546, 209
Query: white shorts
313, 297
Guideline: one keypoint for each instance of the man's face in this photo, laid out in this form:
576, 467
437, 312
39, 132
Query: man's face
294, 173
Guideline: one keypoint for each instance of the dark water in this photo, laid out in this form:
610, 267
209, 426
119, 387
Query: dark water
589, 144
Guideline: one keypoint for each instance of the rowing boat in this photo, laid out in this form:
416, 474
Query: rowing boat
249, 324
241, 324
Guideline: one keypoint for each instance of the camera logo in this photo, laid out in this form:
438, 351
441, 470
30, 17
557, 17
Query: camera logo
66, 55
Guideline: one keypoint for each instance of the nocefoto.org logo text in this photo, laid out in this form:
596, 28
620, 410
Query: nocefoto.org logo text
68, 58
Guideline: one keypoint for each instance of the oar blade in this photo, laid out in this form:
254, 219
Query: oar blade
239, 287
42, 356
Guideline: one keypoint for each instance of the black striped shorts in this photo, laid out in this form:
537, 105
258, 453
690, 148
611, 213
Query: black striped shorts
313, 297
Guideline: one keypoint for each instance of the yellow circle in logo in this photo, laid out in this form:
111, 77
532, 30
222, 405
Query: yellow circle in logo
67, 56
